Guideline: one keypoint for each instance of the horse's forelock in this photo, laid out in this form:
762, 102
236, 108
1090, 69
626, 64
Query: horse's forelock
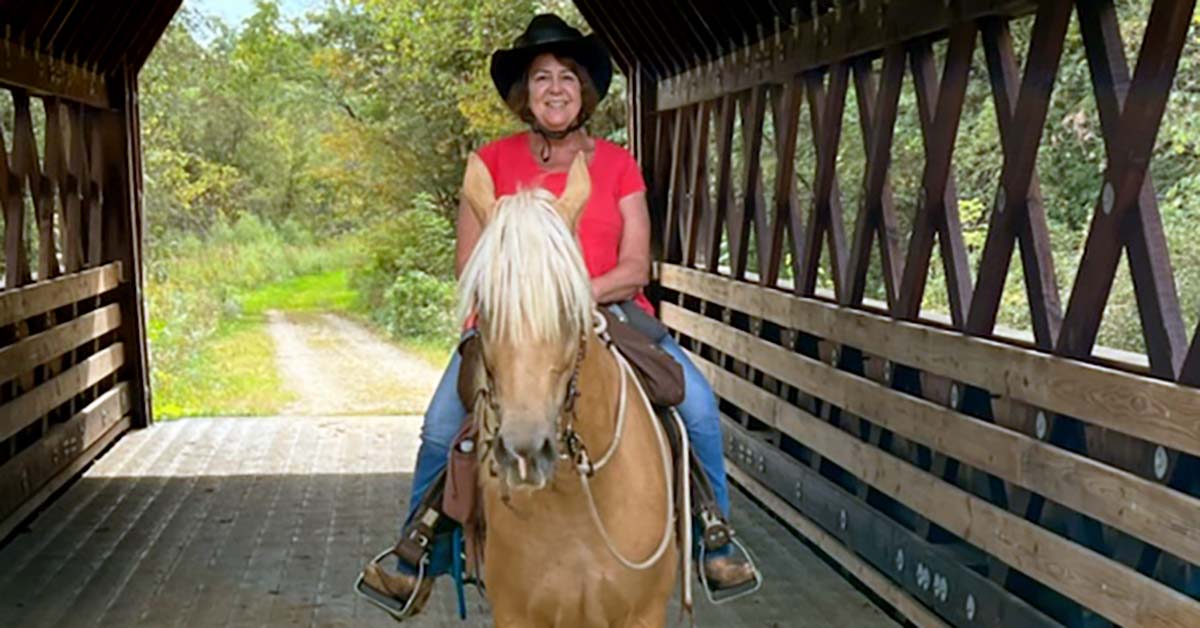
526, 275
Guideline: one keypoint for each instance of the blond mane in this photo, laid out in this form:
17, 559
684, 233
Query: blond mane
526, 277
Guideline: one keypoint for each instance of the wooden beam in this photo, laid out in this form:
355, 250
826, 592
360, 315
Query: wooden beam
833, 36
31, 477
872, 536
40, 348
26, 302
20, 412
1148, 510
912, 610
44, 75
1111, 589
1144, 407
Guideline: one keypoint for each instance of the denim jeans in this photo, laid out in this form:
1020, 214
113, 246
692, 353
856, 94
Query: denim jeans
445, 416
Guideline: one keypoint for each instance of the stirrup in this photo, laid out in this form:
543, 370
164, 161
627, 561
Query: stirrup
722, 596
387, 603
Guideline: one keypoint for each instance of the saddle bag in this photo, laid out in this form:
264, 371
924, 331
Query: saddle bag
660, 374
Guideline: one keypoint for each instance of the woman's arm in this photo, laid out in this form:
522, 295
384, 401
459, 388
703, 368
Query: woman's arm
466, 232
632, 271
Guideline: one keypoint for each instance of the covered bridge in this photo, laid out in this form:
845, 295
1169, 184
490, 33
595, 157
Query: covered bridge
956, 472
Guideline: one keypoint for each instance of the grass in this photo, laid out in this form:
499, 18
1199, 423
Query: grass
321, 292
234, 373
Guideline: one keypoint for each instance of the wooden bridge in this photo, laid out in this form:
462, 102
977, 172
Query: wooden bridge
940, 470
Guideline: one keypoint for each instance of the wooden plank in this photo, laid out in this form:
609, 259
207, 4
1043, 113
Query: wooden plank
882, 542
20, 412
40, 348
913, 610
26, 302
1148, 510
42, 74
1111, 589
1144, 407
38, 471
833, 36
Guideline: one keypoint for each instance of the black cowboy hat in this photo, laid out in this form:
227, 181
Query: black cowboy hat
549, 33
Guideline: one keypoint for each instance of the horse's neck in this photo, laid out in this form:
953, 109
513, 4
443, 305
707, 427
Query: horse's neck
599, 386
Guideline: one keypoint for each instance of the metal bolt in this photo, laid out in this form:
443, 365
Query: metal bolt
1040, 425
887, 372
900, 560
954, 395
1001, 200
970, 607
833, 357
922, 576
941, 587
1160, 462
1107, 197
842, 519
799, 491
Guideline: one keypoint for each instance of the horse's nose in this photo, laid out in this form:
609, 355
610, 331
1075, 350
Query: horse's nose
529, 454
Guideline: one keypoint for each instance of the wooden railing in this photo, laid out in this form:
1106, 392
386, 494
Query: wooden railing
70, 402
73, 369
968, 475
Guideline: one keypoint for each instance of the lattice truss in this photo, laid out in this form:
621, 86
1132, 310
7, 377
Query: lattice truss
1031, 434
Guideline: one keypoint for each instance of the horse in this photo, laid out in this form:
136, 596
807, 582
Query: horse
575, 473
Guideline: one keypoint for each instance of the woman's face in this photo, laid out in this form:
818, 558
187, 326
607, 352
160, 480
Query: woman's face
554, 92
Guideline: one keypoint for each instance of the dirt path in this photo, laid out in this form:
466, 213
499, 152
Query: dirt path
336, 366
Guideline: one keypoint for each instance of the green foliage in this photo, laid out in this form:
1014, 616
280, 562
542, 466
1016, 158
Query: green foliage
406, 281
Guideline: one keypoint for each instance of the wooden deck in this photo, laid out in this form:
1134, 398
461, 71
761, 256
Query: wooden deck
266, 521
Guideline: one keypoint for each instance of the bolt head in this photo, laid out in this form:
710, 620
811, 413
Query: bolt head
970, 607
1108, 197
842, 519
1160, 462
900, 559
954, 395
1041, 425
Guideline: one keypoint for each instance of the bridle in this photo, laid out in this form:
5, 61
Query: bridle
575, 450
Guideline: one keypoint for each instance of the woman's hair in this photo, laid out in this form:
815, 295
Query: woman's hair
518, 94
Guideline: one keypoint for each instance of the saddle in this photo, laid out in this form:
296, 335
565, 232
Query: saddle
455, 497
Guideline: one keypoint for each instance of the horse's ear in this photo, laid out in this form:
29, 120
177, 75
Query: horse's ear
575, 196
479, 190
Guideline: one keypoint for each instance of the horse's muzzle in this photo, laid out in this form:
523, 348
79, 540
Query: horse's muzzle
526, 457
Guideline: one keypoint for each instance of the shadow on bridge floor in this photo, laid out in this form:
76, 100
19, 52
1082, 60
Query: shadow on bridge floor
255, 522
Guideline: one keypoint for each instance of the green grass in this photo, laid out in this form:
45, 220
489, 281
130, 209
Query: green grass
321, 292
234, 374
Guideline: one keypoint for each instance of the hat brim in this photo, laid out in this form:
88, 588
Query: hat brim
509, 65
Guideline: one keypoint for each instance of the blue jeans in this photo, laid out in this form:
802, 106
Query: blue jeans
445, 416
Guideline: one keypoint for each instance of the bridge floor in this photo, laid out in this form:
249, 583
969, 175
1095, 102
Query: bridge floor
266, 521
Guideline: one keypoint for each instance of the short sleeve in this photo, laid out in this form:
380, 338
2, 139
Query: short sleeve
630, 179
490, 155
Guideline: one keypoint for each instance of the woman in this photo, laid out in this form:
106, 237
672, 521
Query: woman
552, 79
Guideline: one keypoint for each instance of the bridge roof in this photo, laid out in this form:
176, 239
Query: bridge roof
667, 38
67, 47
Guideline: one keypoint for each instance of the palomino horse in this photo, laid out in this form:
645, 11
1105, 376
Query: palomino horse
561, 548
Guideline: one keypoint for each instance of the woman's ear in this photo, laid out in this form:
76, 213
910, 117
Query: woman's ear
579, 187
479, 190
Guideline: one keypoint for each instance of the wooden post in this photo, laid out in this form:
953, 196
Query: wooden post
122, 199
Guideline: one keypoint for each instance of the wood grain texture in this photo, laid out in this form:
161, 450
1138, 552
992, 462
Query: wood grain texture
20, 412
1144, 407
1111, 589
1148, 510
21, 303
33, 475
39, 348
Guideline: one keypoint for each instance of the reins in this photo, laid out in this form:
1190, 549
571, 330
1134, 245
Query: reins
575, 450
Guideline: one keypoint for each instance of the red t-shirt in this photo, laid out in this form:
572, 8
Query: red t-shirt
615, 175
